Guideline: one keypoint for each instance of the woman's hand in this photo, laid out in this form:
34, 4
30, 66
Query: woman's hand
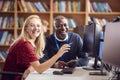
25, 74
65, 48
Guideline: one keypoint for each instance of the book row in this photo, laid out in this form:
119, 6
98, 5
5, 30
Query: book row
67, 6
6, 22
101, 22
99, 7
7, 5
27, 6
72, 22
41, 6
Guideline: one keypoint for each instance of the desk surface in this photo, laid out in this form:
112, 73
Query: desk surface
79, 74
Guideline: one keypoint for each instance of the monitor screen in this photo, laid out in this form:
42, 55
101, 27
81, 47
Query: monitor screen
91, 41
88, 38
111, 50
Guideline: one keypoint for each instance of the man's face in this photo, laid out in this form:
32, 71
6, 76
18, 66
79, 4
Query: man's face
61, 28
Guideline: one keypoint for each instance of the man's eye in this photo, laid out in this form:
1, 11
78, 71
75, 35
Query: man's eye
62, 25
58, 26
65, 24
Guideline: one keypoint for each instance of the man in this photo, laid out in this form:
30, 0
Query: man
60, 37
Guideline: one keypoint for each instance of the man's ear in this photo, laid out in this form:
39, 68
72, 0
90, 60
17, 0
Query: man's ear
54, 25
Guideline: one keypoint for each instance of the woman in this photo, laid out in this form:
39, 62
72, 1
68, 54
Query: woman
25, 51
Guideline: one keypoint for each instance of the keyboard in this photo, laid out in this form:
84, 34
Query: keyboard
68, 70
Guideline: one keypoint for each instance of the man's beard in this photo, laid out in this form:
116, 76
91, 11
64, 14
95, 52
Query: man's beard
61, 36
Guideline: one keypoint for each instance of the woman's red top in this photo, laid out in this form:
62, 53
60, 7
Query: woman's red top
19, 57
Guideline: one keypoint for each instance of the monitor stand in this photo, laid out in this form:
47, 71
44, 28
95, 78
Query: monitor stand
101, 73
118, 75
91, 68
95, 66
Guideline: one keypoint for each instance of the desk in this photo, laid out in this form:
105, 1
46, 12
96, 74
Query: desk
79, 74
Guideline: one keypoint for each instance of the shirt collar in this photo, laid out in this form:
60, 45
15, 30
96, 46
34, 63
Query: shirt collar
59, 39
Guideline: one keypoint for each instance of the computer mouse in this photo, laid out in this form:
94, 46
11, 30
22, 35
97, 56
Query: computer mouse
58, 73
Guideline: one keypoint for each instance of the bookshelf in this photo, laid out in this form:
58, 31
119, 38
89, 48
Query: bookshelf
19, 12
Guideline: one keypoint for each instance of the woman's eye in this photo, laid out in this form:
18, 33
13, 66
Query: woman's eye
38, 25
32, 25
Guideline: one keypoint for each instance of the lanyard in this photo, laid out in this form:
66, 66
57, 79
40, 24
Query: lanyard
58, 47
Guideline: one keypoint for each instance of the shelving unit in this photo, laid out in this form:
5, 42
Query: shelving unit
81, 16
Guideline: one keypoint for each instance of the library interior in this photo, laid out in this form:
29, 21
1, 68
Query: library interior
97, 22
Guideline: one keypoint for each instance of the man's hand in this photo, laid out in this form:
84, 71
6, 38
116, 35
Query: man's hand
60, 64
72, 63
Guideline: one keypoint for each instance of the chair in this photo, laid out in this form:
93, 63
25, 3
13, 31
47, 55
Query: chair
10, 75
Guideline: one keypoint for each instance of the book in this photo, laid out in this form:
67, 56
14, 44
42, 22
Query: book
55, 6
69, 6
6, 5
4, 36
1, 21
24, 6
20, 6
9, 36
3, 55
72, 23
62, 6
11, 22
1, 4
108, 7
4, 22
29, 7
78, 6
20, 21
74, 6
95, 7
11, 6
1, 34
41, 7
45, 6
37, 6
100, 7
35, 9
8, 23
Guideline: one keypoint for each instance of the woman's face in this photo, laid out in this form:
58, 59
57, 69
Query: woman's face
34, 28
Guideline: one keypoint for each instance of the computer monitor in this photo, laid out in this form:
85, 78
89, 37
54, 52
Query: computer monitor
111, 50
91, 41
92, 44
